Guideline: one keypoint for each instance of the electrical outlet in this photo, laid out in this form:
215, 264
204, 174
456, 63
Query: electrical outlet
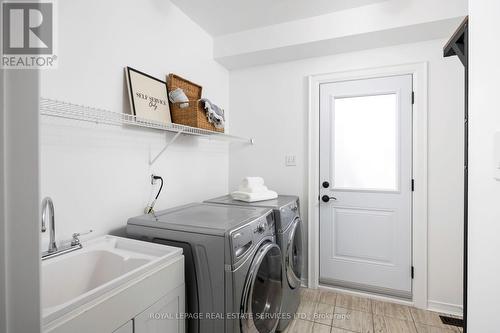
290, 160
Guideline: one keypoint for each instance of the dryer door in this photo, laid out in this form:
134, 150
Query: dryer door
261, 301
293, 264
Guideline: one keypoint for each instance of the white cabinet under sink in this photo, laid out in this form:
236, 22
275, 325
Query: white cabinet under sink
163, 316
127, 328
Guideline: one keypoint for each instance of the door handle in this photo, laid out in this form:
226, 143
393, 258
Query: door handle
326, 198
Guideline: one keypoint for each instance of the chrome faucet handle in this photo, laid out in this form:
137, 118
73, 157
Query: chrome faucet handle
76, 235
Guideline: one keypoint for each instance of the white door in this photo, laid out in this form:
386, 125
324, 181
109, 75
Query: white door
366, 184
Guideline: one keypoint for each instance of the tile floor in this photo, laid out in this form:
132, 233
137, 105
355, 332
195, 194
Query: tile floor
329, 312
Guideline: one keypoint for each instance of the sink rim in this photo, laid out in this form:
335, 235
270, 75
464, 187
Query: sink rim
102, 243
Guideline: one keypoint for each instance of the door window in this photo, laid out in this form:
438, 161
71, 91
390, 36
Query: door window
365, 142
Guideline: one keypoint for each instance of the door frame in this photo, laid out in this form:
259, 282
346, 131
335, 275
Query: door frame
419, 71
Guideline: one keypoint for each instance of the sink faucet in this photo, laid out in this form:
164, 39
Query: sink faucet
53, 250
48, 209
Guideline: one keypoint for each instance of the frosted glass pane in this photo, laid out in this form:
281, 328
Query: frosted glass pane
365, 143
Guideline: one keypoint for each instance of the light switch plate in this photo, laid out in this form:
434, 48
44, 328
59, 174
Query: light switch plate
496, 156
290, 160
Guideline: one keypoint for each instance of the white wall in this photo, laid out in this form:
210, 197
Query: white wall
99, 175
270, 103
484, 191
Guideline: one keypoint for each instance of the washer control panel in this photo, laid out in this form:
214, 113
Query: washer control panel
243, 239
287, 215
264, 226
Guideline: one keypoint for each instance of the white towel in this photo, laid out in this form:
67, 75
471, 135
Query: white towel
253, 189
252, 182
252, 197
178, 95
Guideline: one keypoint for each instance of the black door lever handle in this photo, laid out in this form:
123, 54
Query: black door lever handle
326, 198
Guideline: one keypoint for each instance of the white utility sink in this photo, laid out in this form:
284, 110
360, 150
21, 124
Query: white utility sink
104, 263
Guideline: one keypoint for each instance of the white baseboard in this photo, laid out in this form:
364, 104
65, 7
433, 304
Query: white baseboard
453, 309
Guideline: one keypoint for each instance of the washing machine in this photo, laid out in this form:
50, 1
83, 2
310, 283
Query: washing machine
289, 238
233, 265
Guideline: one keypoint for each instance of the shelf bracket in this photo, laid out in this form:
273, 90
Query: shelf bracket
152, 161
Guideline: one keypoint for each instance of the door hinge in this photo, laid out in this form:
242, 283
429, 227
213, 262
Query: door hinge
413, 185
412, 272
412, 97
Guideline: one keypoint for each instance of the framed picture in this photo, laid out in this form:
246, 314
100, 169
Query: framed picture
148, 96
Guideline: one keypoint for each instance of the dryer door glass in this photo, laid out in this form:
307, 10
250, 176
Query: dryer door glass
294, 255
262, 294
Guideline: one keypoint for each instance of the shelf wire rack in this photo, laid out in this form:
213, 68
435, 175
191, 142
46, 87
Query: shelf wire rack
61, 109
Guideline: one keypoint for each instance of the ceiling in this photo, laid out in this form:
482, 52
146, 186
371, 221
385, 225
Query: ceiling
220, 17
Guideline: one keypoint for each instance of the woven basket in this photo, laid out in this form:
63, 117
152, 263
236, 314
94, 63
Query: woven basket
194, 115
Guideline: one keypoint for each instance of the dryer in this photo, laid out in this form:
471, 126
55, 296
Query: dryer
286, 210
233, 264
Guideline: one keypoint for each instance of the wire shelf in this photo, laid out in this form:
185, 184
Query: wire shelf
60, 109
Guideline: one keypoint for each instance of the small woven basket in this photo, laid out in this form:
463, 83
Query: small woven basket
194, 114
